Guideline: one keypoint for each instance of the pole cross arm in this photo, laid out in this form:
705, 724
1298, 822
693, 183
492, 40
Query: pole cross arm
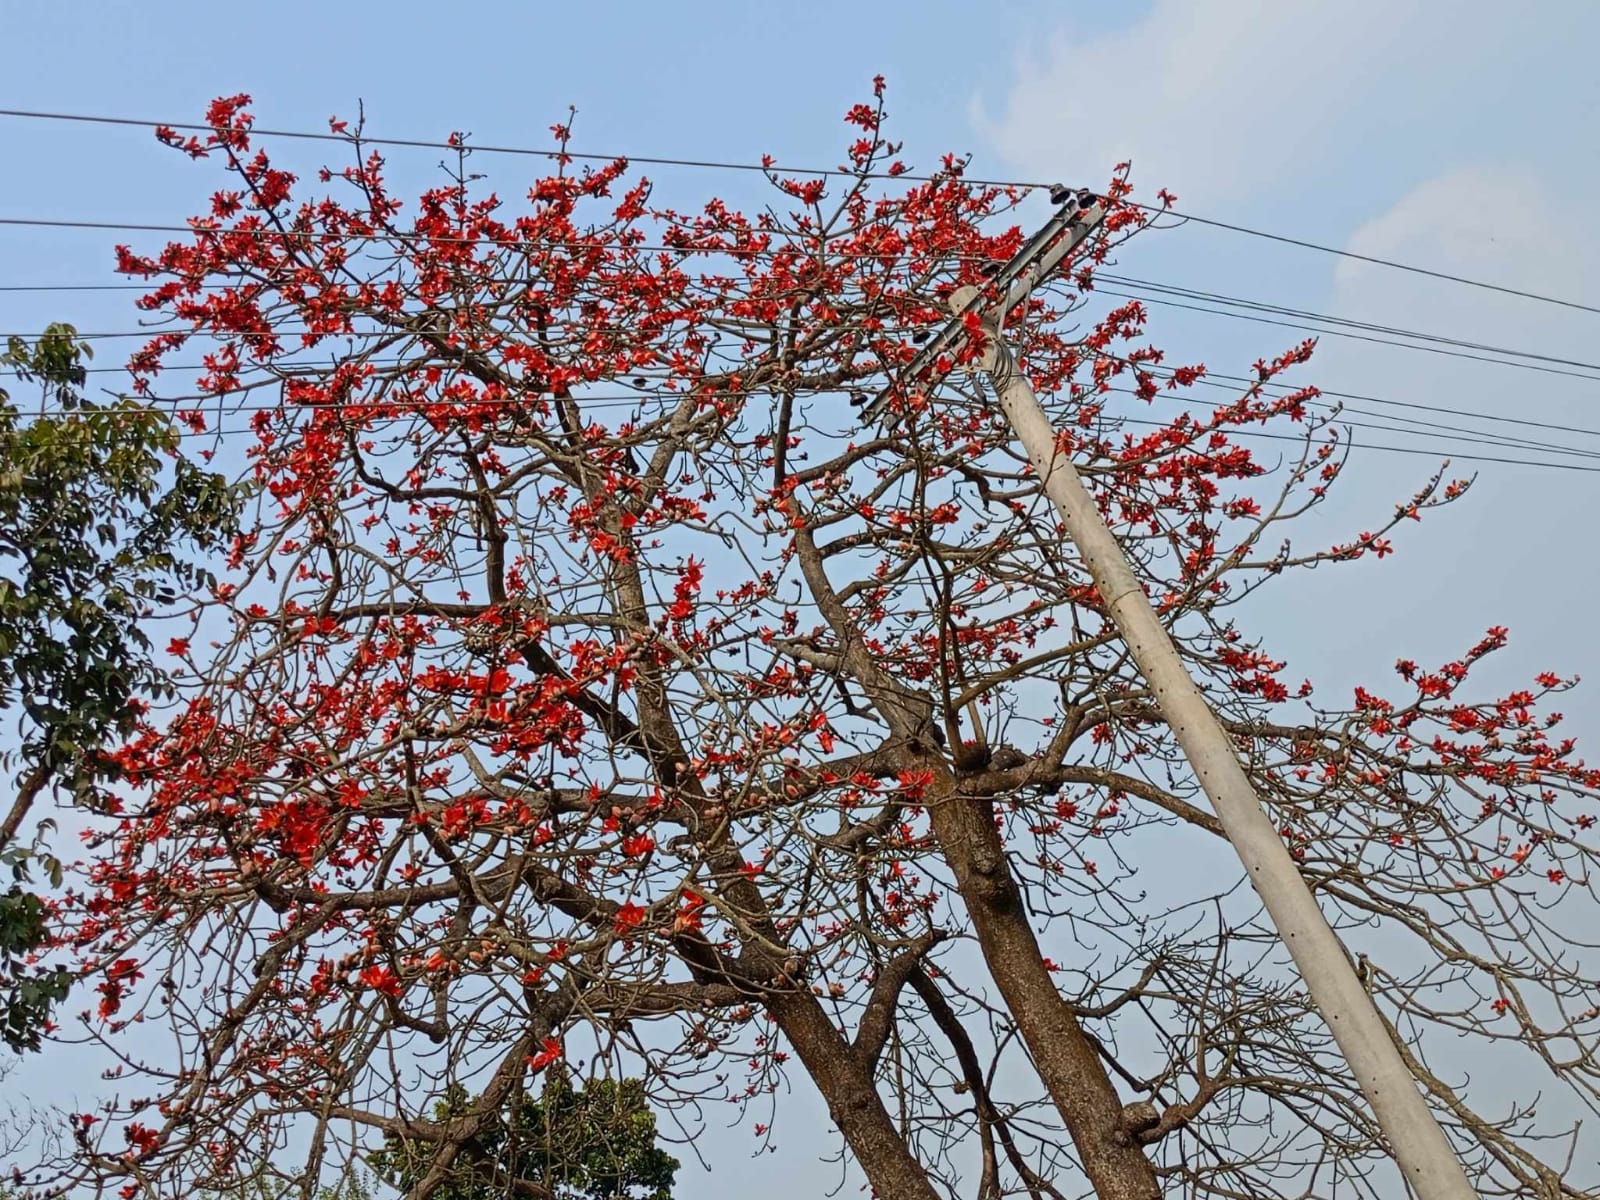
1078, 216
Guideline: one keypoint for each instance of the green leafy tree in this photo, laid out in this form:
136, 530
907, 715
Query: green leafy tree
27, 993
355, 1185
597, 1142
96, 508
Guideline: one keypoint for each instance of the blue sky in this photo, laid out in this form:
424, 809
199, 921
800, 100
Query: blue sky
1455, 135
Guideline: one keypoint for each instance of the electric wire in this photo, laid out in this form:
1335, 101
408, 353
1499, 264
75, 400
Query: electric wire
1269, 306
225, 434
776, 169
1336, 418
1342, 326
1163, 289
1359, 337
301, 368
1446, 347
633, 402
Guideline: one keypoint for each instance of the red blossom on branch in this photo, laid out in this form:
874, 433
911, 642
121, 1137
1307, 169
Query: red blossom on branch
591, 663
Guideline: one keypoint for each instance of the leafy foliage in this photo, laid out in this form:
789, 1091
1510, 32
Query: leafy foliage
27, 992
95, 506
597, 1142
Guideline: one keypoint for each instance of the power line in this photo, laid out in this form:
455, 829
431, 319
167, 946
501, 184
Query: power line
643, 394
1435, 431
74, 287
1431, 408
1234, 383
627, 401
1213, 376
1213, 379
886, 326
312, 237
636, 400
1424, 451
1389, 263
1444, 345
1287, 437
1346, 322
882, 326
1358, 337
778, 169
1147, 284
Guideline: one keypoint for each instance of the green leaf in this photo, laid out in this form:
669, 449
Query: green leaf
95, 515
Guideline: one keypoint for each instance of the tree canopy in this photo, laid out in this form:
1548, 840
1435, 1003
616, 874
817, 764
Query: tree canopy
96, 510
594, 690
595, 1142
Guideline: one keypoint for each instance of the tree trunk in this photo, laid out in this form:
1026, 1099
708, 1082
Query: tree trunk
845, 1082
1067, 1061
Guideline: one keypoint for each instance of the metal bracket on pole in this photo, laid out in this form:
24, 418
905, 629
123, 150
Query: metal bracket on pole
1077, 216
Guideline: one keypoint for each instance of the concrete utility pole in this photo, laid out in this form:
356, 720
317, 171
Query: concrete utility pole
1419, 1145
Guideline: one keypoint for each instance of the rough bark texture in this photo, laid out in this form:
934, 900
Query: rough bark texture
1067, 1061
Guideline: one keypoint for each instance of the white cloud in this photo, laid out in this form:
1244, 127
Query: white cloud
1216, 97
1497, 223
1517, 550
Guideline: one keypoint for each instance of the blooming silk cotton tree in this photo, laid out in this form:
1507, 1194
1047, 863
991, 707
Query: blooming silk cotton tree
592, 686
